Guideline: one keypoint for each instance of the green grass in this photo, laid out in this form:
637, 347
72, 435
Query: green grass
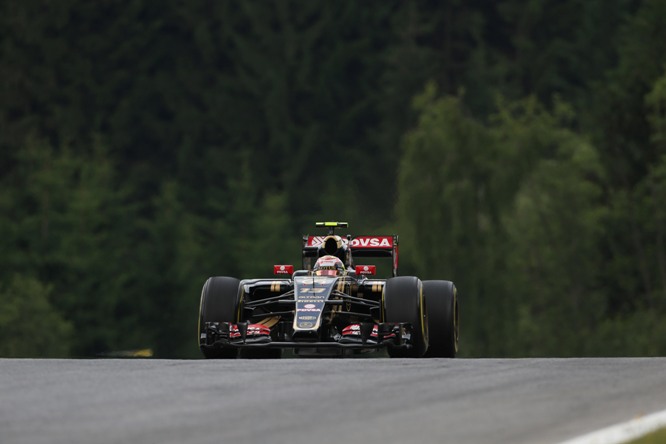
658, 437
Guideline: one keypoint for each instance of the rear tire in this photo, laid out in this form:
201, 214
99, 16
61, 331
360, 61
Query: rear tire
443, 321
404, 302
220, 299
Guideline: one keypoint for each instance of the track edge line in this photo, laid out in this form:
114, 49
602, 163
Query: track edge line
623, 432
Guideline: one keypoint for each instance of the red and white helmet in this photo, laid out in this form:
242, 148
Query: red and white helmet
328, 266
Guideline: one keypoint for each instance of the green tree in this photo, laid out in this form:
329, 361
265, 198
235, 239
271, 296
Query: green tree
505, 210
70, 229
266, 243
158, 309
555, 229
148, 146
29, 324
443, 211
620, 126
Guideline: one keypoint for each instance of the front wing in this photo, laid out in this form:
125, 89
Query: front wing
393, 335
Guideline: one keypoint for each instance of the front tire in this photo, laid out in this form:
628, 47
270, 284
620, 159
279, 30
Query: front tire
443, 318
404, 302
220, 299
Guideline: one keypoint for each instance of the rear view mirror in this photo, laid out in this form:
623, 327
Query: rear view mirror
283, 269
366, 269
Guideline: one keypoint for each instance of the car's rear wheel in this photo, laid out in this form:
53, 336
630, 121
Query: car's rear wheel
404, 302
443, 318
220, 298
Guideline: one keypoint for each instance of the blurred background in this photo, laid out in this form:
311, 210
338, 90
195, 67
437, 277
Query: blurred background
518, 147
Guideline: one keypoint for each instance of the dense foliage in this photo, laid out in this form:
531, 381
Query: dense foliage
517, 147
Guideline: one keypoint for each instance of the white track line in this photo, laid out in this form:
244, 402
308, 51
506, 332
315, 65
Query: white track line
624, 432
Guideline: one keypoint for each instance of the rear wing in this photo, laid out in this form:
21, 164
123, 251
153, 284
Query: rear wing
359, 246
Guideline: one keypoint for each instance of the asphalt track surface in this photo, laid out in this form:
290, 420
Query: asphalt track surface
323, 400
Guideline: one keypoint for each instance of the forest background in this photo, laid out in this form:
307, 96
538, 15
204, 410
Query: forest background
518, 147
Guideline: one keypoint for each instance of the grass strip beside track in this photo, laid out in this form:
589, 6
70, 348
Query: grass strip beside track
658, 437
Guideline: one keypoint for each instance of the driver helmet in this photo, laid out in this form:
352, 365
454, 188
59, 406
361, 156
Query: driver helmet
328, 266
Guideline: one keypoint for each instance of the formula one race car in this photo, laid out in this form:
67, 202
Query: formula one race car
331, 307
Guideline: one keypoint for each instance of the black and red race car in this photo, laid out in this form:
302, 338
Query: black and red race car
332, 306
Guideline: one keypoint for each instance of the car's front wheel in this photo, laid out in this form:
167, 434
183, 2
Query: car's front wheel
403, 302
220, 299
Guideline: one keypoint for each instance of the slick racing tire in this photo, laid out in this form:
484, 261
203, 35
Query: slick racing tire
219, 303
443, 320
404, 302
